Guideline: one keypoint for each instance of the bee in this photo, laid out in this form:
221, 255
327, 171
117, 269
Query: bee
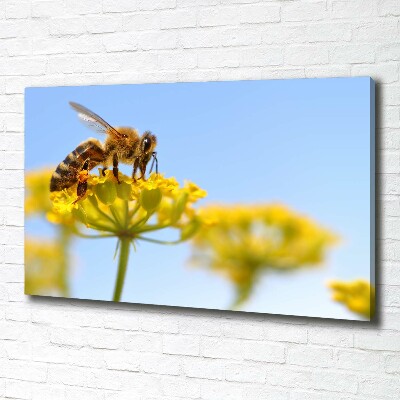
122, 144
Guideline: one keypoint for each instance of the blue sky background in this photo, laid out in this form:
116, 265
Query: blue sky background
304, 143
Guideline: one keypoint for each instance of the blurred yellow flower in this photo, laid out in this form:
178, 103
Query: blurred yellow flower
243, 241
358, 296
46, 260
37, 199
45, 267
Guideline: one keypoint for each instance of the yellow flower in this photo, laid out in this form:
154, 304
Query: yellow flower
45, 268
37, 199
243, 241
357, 295
130, 208
37, 185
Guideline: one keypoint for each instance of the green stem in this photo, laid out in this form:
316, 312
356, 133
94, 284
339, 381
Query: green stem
122, 266
82, 235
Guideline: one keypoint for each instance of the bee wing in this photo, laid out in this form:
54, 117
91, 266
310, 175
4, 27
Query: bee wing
94, 121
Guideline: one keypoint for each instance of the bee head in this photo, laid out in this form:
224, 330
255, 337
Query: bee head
148, 142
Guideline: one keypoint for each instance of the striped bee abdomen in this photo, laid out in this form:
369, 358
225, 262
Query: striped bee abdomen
67, 172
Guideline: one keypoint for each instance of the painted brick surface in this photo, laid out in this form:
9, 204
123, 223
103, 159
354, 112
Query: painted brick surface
68, 349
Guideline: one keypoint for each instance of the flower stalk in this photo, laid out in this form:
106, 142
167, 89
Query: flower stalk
124, 246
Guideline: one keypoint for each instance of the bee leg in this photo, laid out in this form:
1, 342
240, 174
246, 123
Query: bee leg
82, 181
135, 167
154, 156
115, 167
143, 170
103, 171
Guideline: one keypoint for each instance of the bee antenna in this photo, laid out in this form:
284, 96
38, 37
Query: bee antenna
154, 155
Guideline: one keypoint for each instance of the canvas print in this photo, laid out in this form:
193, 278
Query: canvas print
253, 196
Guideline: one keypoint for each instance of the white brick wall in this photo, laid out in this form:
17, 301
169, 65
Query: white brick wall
67, 349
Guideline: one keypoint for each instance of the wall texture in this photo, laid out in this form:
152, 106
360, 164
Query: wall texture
66, 349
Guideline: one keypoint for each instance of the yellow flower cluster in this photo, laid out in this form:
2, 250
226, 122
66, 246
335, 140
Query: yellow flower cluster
242, 241
37, 200
37, 192
127, 209
357, 295
45, 268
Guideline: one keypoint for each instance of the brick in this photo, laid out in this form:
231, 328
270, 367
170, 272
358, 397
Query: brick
204, 368
85, 357
260, 57
259, 13
66, 26
311, 356
122, 360
385, 73
392, 364
18, 389
218, 58
244, 373
214, 390
331, 337
376, 385
68, 375
72, 393
328, 32
358, 360
157, 4
69, 337
120, 42
353, 54
157, 40
178, 19
391, 296
177, 60
264, 392
103, 23
264, 351
199, 326
48, 391
242, 330
159, 323
140, 21
391, 273
105, 339
124, 320
84, 7
179, 387
175, 344
222, 348
390, 161
306, 55
218, 16
110, 6
313, 379
47, 8
24, 370
18, 9
376, 32
389, 8
346, 9
146, 342
390, 52
299, 12
160, 364
377, 341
